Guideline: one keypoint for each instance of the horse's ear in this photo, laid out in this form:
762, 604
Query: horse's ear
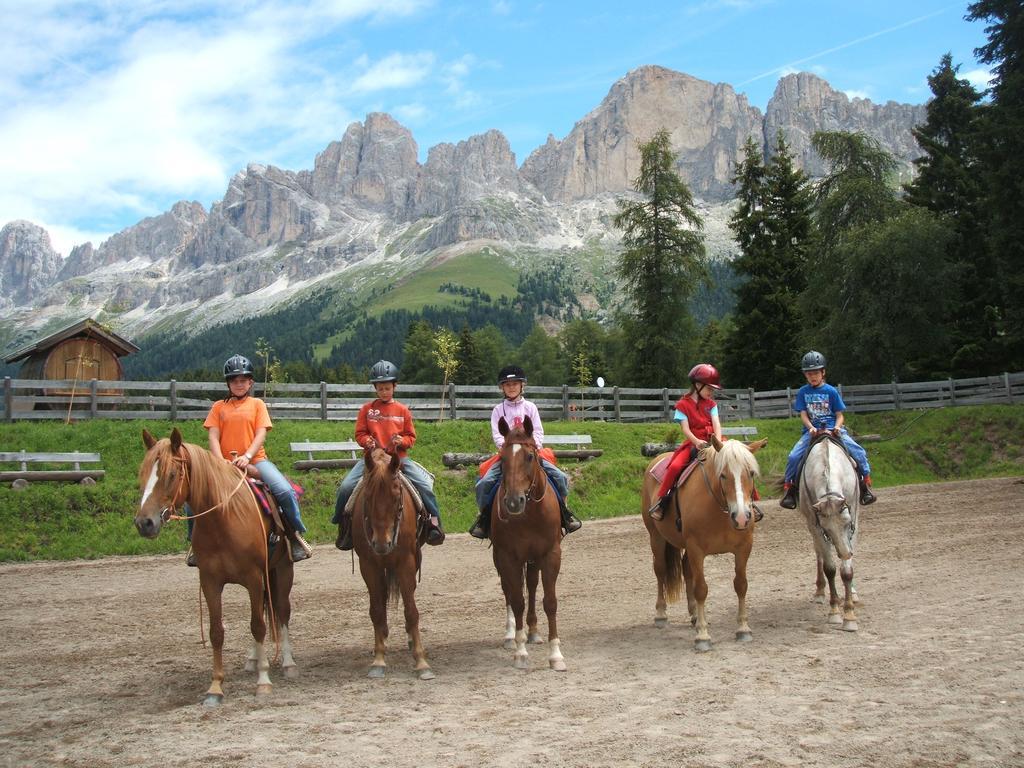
528, 426
757, 445
176, 440
396, 461
502, 426
715, 442
147, 439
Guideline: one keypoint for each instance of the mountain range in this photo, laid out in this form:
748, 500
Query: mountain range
369, 216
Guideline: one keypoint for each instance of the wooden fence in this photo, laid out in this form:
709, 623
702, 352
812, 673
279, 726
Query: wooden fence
182, 400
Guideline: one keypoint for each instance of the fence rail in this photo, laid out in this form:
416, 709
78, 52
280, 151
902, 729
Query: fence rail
34, 399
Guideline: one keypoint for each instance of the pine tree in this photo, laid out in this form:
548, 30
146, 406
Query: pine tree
949, 183
662, 263
772, 227
1002, 156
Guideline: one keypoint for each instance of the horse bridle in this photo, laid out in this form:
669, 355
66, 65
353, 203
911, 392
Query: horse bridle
723, 502
827, 495
398, 518
170, 512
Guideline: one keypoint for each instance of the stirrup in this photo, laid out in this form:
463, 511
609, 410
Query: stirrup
477, 530
435, 534
571, 523
190, 558
344, 540
788, 501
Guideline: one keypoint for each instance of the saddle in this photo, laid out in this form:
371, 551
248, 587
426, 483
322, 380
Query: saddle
814, 441
658, 470
268, 506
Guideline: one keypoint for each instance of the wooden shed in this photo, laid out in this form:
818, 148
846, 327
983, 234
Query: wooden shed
82, 351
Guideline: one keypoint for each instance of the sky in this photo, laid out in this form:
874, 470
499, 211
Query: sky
114, 110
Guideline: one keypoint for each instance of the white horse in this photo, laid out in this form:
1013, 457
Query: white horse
829, 502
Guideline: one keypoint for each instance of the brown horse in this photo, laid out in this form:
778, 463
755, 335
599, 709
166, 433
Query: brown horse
526, 534
714, 506
385, 538
229, 541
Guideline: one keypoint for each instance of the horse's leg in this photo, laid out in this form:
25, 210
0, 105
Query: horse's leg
691, 601
819, 583
376, 584
407, 583
658, 555
212, 592
549, 572
739, 583
509, 643
512, 585
258, 627
282, 578
829, 567
849, 616
532, 577
702, 642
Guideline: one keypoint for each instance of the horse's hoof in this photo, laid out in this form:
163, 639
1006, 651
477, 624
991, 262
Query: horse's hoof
849, 625
521, 662
835, 618
509, 644
213, 700
426, 674
264, 689
291, 673
558, 665
376, 672
534, 638
661, 622
744, 637
702, 646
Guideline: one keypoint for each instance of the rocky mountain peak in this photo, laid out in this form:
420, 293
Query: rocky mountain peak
28, 263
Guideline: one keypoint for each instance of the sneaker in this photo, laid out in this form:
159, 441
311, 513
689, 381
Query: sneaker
344, 540
571, 523
658, 509
435, 534
789, 500
866, 496
477, 531
190, 559
299, 549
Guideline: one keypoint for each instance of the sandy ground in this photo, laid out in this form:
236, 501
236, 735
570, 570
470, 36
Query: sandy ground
102, 664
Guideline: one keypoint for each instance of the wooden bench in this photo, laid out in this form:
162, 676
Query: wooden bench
314, 463
23, 475
581, 450
654, 449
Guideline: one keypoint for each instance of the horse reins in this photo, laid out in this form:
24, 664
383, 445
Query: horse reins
398, 518
170, 512
533, 484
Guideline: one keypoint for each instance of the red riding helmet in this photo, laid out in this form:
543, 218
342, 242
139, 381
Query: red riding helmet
705, 373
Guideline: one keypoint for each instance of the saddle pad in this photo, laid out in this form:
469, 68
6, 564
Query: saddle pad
659, 469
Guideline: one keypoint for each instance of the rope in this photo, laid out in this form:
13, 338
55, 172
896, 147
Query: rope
911, 423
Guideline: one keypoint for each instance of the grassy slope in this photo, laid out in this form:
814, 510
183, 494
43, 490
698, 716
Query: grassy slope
55, 521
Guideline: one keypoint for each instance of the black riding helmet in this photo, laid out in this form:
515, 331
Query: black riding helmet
813, 361
237, 365
511, 373
383, 370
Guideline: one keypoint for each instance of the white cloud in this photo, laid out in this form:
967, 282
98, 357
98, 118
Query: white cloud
410, 113
858, 93
113, 109
398, 70
979, 78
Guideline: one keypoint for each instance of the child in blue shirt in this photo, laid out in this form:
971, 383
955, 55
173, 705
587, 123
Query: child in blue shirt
821, 410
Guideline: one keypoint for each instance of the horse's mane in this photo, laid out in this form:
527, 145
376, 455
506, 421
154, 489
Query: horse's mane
378, 476
518, 436
735, 457
210, 478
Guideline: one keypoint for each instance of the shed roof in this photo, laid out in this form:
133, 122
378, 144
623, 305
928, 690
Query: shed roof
87, 328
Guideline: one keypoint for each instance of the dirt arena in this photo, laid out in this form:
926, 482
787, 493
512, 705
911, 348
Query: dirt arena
102, 662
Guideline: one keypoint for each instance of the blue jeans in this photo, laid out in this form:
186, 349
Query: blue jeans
485, 485
418, 476
278, 485
803, 444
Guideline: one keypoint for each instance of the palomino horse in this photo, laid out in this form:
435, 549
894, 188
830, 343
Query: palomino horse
230, 543
717, 517
384, 537
526, 534
829, 502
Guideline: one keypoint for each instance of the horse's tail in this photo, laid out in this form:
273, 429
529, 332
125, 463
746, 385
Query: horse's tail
394, 590
673, 582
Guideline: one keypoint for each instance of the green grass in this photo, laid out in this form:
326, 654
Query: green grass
64, 520
472, 270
